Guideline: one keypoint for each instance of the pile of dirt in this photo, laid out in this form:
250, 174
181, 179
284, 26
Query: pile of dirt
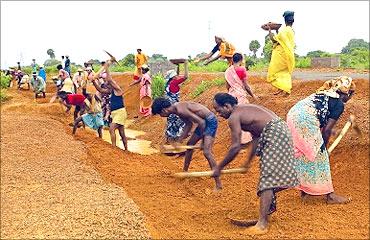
46, 189
190, 209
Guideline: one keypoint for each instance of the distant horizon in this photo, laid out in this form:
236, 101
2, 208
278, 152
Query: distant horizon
173, 29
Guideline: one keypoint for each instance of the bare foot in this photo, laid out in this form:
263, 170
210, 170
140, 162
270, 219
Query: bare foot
304, 196
256, 230
333, 198
242, 222
278, 92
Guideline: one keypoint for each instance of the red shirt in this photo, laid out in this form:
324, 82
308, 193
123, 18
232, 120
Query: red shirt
241, 72
175, 82
75, 99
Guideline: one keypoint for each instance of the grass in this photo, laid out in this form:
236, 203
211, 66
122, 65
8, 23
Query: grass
216, 66
205, 85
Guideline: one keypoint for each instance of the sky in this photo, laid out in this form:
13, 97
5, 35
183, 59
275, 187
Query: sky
83, 29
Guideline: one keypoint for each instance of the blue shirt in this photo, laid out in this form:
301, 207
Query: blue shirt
42, 74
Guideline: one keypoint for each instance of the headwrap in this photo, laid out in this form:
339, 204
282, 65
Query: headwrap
170, 74
288, 16
221, 38
342, 84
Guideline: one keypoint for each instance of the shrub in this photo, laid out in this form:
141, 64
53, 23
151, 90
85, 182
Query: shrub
158, 85
5, 80
358, 59
303, 62
4, 83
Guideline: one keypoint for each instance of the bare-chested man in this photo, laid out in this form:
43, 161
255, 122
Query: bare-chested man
191, 112
272, 141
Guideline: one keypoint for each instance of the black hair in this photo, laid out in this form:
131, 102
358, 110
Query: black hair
237, 57
62, 95
59, 66
139, 49
102, 63
145, 70
223, 98
159, 104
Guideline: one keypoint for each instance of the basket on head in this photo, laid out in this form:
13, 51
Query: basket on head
273, 26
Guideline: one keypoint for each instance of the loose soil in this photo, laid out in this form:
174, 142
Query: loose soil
189, 208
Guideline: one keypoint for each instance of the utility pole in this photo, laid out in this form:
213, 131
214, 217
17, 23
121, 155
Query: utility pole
21, 58
209, 30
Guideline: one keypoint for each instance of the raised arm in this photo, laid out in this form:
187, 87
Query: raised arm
271, 35
100, 89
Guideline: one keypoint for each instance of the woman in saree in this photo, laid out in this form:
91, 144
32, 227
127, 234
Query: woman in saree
282, 59
311, 123
237, 86
145, 91
175, 125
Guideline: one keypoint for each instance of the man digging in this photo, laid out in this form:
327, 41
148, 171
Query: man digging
272, 141
38, 85
191, 112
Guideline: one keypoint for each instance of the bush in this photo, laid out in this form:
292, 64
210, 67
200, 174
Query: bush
358, 59
303, 62
158, 85
5, 80
51, 62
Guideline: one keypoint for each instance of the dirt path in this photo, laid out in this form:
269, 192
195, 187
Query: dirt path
189, 208
46, 189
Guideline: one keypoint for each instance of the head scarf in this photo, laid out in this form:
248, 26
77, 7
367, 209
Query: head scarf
288, 16
170, 74
221, 38
333, 87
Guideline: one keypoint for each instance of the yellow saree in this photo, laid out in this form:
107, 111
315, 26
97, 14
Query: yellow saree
282, 60
140, 60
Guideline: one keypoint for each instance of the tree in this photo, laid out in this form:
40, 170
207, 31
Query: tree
128, 60
267, 49
157, 56
51, 62
317, 53
254, 45
51, 54
355, 43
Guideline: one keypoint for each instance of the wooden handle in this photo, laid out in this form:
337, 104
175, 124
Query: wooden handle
341, 135
208, 173
180, 148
